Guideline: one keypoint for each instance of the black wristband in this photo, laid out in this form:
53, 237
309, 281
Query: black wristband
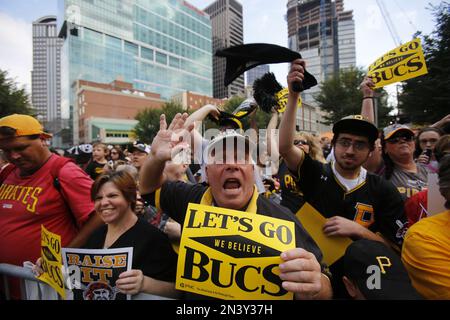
367, 98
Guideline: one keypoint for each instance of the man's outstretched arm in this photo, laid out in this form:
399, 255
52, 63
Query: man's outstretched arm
292, 155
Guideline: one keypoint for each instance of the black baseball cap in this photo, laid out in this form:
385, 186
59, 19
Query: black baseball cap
140, 146
356, 124
360, 260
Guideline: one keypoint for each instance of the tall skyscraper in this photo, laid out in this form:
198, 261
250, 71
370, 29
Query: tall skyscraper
324, 34
256, 73
160, 46
46, 73
227, 31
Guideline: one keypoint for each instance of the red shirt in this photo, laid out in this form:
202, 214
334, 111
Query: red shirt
416, 207
27, 202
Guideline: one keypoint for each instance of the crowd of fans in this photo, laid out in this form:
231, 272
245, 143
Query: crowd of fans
370, 183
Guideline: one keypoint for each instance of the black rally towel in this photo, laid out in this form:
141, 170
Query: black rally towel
247, 56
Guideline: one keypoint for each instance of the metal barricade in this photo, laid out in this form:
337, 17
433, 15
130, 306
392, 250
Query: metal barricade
25, 274
22, 274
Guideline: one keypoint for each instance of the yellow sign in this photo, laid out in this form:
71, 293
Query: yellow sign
332, 248
402, 63
52, 261
229, 254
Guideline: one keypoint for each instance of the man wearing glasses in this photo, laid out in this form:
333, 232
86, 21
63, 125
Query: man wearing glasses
357, 204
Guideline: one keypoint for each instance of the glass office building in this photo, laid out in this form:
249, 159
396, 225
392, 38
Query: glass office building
161, 46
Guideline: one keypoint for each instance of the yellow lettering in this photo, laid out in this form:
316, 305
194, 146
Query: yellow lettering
364, 214
32, 206
87, 261
120, 261
103, 274
22, 189
86, 273
98, 261
73, 259
24, 199
384, 262
107, 261
7, 191
12, 194
2, 190
402, 190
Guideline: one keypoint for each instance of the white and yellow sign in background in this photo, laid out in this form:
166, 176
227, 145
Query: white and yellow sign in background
229, 254
52, 261
402, 63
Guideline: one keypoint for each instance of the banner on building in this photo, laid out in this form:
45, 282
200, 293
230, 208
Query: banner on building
229, 254
92, 273
402, 63
51, 261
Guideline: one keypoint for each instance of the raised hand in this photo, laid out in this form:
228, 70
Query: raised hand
366, 87
170, 140
296, 74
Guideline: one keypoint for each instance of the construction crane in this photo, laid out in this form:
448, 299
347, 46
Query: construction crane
397, 41
390, 25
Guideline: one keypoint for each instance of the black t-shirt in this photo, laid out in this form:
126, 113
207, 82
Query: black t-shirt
375, 204
94, 169
152, 252
291, 197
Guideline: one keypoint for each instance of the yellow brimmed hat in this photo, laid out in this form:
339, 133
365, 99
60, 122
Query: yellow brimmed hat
389, 131
24, 125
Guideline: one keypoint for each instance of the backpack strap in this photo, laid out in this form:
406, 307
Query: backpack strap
56, 168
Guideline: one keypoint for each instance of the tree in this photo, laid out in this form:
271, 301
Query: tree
148, 125
339, 96
426, 99
12, 99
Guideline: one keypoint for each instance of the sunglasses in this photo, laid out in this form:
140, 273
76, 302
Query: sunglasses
300, 142
400, 139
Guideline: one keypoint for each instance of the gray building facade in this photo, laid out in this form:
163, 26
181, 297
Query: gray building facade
227, 30
46, 73
256, 73
326, 47
325, 36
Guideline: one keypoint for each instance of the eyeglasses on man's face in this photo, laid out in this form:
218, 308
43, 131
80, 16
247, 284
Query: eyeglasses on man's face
357, 145
399, 139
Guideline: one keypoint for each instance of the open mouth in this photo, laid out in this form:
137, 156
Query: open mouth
232, 184
106, 211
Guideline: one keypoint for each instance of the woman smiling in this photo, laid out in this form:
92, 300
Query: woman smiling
154, 261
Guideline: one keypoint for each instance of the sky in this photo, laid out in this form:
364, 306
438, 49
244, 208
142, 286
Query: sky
264, 21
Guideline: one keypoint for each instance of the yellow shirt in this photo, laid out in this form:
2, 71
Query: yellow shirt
426, 256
